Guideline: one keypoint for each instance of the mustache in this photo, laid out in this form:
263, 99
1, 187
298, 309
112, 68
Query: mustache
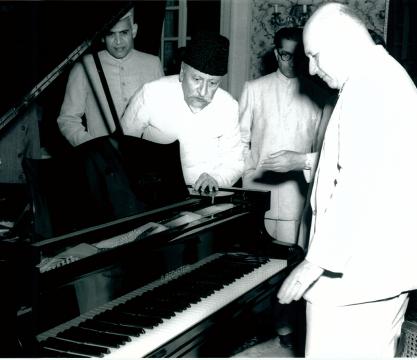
199, 98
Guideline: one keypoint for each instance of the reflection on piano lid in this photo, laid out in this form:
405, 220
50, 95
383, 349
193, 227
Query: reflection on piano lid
83, 250
135, 234
98, 183
154, 170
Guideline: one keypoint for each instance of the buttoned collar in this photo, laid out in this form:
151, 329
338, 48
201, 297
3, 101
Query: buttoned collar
283, 79
111, 58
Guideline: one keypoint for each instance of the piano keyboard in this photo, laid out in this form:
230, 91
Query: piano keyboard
138, 323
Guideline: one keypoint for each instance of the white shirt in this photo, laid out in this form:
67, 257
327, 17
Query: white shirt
209, 139
277, 113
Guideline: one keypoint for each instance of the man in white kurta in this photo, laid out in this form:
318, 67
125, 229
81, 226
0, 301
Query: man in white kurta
85, 113
190, 107
279, 113
361, 256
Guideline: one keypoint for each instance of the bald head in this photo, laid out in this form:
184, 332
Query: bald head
334, 41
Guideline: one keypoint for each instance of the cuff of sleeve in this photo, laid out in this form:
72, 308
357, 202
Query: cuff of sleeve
308, 175
309, 162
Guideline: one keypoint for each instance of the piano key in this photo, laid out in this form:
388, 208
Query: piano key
74, 347
122, 318
169, 329
149, 310
93, 337
153, 338
112, 328
158, 304
50, 353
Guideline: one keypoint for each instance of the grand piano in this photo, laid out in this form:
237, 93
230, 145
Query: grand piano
182, 277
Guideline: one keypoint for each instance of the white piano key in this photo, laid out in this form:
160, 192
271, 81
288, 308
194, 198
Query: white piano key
158, 336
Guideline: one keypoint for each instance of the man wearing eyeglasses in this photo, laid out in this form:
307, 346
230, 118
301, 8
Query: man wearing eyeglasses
280, 114
279, 120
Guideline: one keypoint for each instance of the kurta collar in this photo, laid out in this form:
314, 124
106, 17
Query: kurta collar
283, 78
111, 58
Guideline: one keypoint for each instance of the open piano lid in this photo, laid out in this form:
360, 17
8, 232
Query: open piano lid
43, 39
98, 183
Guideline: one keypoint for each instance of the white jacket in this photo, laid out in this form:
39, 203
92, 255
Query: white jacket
364, 199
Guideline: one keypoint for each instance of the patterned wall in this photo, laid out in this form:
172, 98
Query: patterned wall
372, 11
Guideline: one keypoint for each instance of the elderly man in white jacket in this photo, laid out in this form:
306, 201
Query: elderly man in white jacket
363, 240
190, 107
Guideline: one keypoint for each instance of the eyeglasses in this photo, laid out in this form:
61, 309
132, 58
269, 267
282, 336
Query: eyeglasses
285, 56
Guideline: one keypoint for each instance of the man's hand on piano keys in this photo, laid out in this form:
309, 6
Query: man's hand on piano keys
298, 281
207, 183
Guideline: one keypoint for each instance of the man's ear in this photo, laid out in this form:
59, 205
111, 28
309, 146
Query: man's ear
181, 75
134, 30
276, 53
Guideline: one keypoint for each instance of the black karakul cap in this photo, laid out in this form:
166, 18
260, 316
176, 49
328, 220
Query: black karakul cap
208, 52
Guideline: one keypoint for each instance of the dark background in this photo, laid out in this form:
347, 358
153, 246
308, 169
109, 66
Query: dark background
37, 36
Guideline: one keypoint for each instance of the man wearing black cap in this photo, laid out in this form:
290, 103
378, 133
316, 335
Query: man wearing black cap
190, 107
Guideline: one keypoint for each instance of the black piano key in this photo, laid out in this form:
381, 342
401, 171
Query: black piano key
182, 298
51, 353
179, 291
148, 310
200, 287
93, 337
112, 328
74, 347
128, 319
145, 310
170, 302
159, 303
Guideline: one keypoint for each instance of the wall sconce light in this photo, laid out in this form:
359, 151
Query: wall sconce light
297, 16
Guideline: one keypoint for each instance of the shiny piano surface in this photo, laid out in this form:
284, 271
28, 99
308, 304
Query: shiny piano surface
185, 289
